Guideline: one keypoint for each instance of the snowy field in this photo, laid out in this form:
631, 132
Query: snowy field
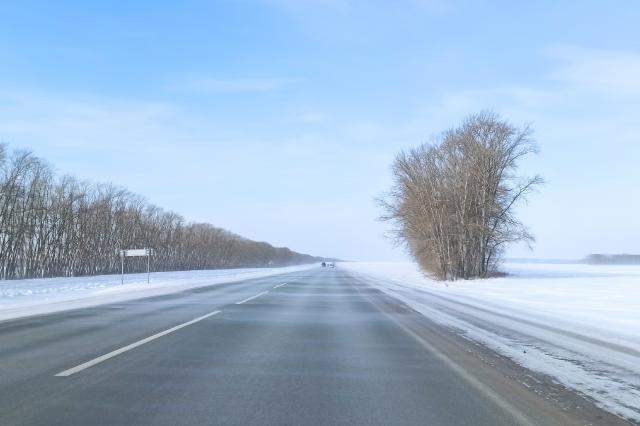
577, 323
20, 298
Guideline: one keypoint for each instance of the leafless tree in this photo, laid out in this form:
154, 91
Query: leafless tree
452, 202
64, 227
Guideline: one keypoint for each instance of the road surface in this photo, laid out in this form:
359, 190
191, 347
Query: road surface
310, 348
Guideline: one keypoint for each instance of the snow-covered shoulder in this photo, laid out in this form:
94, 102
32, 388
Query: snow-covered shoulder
19, 298
578, 323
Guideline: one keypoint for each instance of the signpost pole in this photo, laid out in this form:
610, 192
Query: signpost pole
148, 265
122, 265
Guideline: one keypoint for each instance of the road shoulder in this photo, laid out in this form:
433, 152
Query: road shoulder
539, 398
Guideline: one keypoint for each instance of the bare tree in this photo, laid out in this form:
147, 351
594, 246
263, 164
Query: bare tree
65, 227
452, 202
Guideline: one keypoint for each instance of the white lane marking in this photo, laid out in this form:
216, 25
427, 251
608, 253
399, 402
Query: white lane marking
280, 285
124, 349
252, 297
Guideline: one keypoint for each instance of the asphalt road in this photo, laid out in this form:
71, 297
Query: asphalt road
310, 348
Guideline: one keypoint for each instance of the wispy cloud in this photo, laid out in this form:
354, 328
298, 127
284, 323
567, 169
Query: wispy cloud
340, 6
342, 22
74, 130
608, 72
233, 85
582, 81
349, 6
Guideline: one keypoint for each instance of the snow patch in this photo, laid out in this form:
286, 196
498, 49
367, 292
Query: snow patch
577, 323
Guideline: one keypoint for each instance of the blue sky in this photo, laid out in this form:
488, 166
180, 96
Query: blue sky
279, 119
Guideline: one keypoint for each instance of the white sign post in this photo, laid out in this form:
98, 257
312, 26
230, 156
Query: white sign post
137, 253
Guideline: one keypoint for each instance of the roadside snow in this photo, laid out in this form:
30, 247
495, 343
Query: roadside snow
577, 323
19, 298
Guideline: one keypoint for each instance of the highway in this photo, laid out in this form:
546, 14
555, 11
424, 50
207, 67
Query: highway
318, 347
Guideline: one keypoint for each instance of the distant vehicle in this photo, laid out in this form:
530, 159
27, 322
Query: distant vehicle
332, 265
323, 264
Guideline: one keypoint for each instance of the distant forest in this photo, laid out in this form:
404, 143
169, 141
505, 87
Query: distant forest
613, 259
62, 226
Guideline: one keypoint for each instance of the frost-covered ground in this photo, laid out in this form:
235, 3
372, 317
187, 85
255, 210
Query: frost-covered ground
577, 323
20, 298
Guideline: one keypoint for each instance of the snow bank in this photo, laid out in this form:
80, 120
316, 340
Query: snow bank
20, 298
577, 323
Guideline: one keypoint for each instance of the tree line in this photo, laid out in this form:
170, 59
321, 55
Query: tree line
62, 226
452, 201
612, 259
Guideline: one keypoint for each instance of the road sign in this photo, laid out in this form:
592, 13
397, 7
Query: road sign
145, 252
136, 252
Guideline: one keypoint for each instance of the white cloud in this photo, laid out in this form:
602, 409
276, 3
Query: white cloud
298, 6
36, 118
348, 6
234, 85
606, 72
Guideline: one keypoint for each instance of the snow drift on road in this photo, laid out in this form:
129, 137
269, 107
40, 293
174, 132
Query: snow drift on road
20, 298
577, 323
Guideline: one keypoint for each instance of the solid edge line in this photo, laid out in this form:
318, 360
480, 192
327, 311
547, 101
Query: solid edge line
127, 348
280, 285
252, 297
